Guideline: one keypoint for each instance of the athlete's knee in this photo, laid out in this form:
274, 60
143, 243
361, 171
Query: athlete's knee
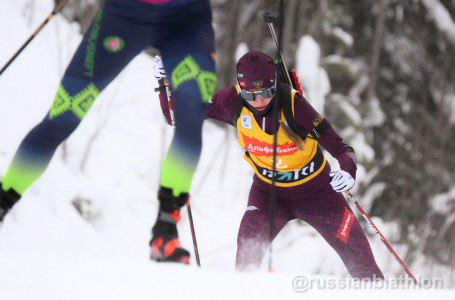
73, 96
195, 74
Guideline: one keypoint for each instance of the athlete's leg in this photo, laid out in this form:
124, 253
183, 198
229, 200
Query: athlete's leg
254, 232
109, 44
187, 49
189, 62
332, 217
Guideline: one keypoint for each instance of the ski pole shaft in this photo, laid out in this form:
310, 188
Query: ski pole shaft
277, 19
193, 233
367, 218
51, 15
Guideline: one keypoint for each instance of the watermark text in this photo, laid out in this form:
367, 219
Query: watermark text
302, 284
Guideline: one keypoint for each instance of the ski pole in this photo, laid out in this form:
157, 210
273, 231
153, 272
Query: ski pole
193, 233
51, 15
167, 88
276, 117
188, 206
367, 218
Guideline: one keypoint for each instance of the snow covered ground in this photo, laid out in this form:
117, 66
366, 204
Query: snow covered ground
111, 166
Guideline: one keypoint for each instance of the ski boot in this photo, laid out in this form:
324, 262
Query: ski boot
165, 246
7, 200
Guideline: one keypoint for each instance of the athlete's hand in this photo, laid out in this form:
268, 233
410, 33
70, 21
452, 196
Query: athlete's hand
341, 181
158, 68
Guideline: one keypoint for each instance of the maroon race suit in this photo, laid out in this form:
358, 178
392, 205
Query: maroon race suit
313, 201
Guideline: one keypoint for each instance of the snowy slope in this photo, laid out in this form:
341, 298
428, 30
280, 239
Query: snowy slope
112, 162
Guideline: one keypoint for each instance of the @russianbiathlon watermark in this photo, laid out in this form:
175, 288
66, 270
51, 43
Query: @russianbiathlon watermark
302, 284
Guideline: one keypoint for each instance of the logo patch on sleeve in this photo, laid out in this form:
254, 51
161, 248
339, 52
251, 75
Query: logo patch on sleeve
345, 226
317, 120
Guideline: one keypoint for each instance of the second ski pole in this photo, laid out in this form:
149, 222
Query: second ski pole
370, 222
51, 15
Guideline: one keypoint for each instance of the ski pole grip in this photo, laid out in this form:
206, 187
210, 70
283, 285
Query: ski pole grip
271, 17
161, 88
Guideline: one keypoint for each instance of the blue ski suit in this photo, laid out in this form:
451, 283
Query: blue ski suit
181, 31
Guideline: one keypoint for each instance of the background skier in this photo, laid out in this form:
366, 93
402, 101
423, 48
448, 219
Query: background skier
182, 31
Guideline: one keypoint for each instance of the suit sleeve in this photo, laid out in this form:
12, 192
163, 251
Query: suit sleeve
220, 107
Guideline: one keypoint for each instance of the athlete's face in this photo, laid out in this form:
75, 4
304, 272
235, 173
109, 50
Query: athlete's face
259, 98
260, 103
